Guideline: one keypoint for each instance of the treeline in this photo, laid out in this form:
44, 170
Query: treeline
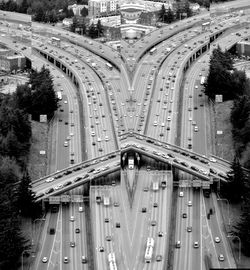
179, 12
17, 198
82, 27
223, 79
44, 10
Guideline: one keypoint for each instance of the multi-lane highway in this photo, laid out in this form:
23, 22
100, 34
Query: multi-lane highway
139, 101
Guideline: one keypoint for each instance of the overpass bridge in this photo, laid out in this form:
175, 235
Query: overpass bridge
207, 169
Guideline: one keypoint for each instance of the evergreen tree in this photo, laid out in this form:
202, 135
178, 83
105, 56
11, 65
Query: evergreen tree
235, 188
92, 31
74, 25
26, 197
84, 12
99, 29
162, 14
169, 18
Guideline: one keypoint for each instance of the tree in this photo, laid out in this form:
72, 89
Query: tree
84, 12
92, 31
99, 28
74, 25
162, 14
235, 188
187, 9
70, 13
169, 18
26, 197
11, 241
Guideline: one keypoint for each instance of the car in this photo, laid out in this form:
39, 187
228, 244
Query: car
189, 203
153, 223
189, 229
178, 244
155, 204
221, 258
65, 101
65, 259
181, 194
196, 129
196, 244
196, 87
44, 259
108, 238
84, 259
80, 209
212, 171
50, 179
158, 258
217, 239
72, 218
101, 249
66, 144
144, 209
72, 244
184, 215
77, 230
117, 225
116, 204
160, 234
50, 190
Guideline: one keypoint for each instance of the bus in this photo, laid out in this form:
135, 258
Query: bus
148, 254
111, 257
109, 66
59, 95
202, 80
106, 200
131, 163
150, 242
152, 51
155, 186
112, 266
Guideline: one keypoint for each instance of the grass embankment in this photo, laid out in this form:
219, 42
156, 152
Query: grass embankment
224, 148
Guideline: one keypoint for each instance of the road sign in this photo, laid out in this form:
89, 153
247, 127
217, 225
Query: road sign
206, 184
65, 198
196, 183
54, 200
76, 198
185, 183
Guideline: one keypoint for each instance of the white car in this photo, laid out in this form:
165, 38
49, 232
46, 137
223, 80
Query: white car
50, 179
189, 203
212, 159
72, 218
181, 194
66, 144
65, 101
195, 128
44, 259
217, 239
80, 209
221, 257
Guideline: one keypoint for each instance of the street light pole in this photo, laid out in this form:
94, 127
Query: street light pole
233, 236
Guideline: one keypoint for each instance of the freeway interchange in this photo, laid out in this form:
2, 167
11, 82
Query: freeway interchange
149, 108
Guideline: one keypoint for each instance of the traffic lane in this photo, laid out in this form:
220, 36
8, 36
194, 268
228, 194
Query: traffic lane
66, 237
196, 254
46, 250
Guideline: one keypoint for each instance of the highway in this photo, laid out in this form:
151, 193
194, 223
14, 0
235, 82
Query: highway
145, 103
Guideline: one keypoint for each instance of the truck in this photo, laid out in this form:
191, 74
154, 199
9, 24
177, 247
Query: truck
111, 257
203, 80
59, 95
163, 184
98, 199
106, 200
155, 186
150, 242
131, 163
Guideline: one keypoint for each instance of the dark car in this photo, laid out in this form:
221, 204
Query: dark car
184, 215
213, 171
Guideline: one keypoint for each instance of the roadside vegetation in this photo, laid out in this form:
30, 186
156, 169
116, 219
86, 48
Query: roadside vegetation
233, 85
17, 199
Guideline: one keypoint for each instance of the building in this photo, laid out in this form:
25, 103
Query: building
12, 62
77, 9
100, 8
243, 48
